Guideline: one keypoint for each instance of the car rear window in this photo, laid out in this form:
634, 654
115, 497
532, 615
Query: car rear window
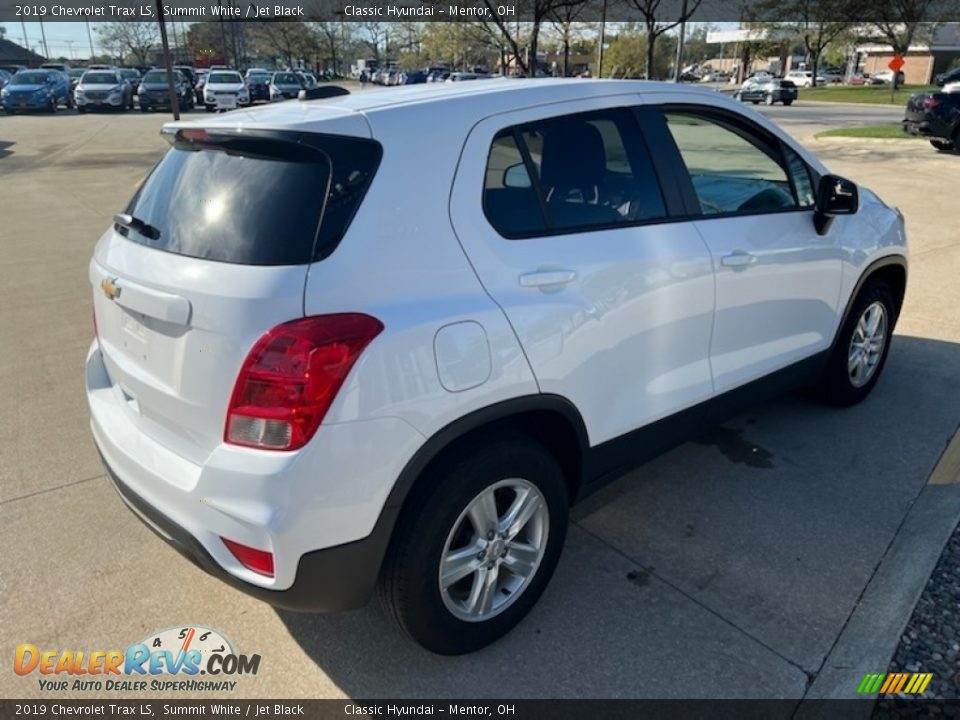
272, 199
99, 78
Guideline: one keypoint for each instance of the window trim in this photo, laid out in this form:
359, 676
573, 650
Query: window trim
668, 195
727, 117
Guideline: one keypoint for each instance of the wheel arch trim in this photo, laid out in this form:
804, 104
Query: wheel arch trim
892, 260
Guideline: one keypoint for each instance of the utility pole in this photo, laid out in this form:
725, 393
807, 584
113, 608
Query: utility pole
603, 39
43, 35
26, 40
89, 38
678, 64
174, 100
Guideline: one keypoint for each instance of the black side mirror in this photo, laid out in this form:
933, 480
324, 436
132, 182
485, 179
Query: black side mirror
835, 196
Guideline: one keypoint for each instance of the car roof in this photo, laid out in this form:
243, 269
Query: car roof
467, 101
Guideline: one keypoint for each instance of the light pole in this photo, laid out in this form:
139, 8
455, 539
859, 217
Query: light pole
174, 100
89, 38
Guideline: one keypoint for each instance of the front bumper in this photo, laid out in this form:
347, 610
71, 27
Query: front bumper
330, 495
30, 104
113, 102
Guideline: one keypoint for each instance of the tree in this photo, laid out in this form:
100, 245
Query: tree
817, 23
656, 25
291, 42
902, 22
563, 19
133, 38
538, 11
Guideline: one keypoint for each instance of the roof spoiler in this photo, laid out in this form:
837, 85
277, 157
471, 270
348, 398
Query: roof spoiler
322, 92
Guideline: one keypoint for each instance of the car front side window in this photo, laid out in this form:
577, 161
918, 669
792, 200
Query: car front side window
732, 170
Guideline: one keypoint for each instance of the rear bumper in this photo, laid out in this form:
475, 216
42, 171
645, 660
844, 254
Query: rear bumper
332, 580
320, 511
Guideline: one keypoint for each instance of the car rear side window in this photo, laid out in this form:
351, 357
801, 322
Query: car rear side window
254, 200
573, 172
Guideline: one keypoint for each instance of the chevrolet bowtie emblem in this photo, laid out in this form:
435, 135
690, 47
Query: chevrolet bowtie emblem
110, 289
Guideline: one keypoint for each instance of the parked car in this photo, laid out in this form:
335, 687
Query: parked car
36, 90
935, 116
716, 77
886, 76
13, 69
951, 76
198, 88
154, 93
133, 77
284, 86
225, 90
4, 78
415, 77
259, 86
59, 67
833, 75
188, 72
769, 91
264, 432
804, 78
100, 89
75, 75
255, 71
100, 66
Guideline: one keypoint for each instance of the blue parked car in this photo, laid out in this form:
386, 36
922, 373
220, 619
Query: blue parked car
36, 90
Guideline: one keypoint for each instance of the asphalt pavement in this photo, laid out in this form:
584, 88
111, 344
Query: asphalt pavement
740, 565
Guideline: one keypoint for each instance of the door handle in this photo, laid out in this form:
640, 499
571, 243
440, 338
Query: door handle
545, 278
738, 259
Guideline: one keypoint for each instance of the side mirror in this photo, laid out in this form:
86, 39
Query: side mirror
835, 196
516, 176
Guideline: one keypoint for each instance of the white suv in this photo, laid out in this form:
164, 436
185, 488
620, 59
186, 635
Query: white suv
313, 383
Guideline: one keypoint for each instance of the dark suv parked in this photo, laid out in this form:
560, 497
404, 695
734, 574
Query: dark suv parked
935, 116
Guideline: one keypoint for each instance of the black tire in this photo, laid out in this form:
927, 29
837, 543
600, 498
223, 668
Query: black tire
410, 582
81, 109
755, 102
836, 387
52, 108
942, 145
144, 108
69, 102
788, 102
768, 100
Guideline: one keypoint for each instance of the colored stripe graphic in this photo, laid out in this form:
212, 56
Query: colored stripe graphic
893, 683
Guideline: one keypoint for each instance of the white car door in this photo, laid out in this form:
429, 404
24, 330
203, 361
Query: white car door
561, 214
778, 281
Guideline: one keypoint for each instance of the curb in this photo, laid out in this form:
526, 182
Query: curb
872, 632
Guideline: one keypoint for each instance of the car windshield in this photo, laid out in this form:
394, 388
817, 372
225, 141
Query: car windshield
223, 78
99, 78
286, 79
30, 78
155, 76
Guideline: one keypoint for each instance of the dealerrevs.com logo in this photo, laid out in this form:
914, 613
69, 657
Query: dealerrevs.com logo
180, 659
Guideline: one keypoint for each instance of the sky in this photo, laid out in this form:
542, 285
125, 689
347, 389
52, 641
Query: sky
70, 40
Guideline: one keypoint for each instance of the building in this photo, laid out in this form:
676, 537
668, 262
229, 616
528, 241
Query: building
13, 54
922, 62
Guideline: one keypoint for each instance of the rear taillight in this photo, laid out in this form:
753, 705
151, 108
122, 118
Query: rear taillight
291, 377
930, 103
260, 561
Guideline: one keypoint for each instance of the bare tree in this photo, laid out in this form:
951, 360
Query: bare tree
538, 11
653, 12
134, 38
564, 20
902, 22
376, 33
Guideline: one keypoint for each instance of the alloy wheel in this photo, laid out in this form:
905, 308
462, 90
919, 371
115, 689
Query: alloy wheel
867, 344
494, 550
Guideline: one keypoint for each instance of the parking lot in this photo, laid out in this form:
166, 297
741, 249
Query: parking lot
767, 559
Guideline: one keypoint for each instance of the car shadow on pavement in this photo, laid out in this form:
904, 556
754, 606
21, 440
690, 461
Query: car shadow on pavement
715, 561
5, 148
